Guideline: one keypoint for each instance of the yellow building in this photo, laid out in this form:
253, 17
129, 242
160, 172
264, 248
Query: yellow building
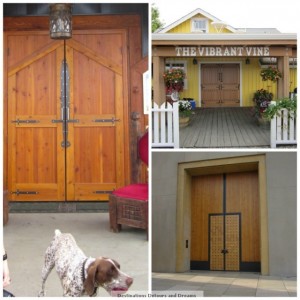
222, 63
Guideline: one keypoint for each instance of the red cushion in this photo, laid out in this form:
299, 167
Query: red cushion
138, 191
143, 148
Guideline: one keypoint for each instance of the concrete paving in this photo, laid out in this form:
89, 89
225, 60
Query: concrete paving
226, 284
26, 237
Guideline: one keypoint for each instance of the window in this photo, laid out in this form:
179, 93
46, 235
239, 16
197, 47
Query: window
178, 65
199, 25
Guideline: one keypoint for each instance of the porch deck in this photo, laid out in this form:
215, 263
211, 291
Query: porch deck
224, 127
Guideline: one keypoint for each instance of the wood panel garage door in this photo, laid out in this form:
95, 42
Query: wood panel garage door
225, 222
86, 162
220, 85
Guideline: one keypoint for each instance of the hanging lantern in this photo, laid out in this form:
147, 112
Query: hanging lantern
60, 21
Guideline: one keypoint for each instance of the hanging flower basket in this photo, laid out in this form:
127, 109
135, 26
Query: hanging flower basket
174, 80
262, 99
271, 74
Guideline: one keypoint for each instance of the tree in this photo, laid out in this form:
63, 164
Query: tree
156, 23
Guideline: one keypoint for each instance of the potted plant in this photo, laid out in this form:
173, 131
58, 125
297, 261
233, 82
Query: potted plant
174, 80
271, 74
262, 99
289, 104
185, 110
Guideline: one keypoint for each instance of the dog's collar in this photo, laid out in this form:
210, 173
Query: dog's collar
84, 268
86, 263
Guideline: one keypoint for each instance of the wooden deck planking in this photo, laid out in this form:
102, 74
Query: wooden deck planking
224, 128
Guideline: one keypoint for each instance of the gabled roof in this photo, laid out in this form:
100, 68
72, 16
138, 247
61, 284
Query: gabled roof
191, 15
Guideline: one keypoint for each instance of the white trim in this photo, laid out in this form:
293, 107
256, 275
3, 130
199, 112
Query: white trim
222, 37
219, 62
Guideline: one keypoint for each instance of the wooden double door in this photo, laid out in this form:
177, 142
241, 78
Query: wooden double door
66, 115
220, 85
225, 231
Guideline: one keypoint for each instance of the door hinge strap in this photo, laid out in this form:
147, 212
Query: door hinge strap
18, 121
103, 192
112, 120
18, 192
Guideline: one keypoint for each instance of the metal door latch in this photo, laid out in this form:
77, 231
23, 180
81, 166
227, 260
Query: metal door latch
18, 121
18, 192
224, 251
68, 121
102, 192
112, 120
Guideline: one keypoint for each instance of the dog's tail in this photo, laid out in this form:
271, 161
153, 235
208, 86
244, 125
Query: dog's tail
57, 232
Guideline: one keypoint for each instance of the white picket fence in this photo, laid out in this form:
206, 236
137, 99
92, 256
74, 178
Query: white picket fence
165, 123
283, 129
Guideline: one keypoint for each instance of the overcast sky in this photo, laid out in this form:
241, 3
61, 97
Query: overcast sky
283, 15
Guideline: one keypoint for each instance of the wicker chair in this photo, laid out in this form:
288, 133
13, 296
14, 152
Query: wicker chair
129, 205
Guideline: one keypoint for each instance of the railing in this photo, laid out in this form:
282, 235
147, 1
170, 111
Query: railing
165, 122
283, 129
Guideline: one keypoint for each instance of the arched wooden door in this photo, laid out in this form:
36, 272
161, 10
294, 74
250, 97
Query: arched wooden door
87, 161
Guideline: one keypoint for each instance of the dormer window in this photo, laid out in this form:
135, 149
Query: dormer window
199, 25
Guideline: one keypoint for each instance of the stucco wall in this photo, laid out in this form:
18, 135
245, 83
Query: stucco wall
281, 194
282, 208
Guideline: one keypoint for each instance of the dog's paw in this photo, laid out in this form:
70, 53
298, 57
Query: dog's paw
41, 294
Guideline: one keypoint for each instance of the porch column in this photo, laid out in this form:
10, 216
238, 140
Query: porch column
283, 83
159, 95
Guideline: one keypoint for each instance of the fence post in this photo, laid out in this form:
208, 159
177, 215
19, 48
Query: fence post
176, 124
155, 124
273, 129
165, 125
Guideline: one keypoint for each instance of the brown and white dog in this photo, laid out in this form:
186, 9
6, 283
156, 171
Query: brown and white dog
81, 275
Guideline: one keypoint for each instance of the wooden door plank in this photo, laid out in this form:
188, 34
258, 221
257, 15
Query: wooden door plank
69, 160
206, 199
12, 145
52, 46
93, 192
120, 137
242, 196
97, 57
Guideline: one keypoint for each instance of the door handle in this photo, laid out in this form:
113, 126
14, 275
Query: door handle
224, 251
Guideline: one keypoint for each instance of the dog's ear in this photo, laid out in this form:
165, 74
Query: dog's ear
116, 264
89, 283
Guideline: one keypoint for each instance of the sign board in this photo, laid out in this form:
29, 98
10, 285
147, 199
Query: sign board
214, 51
